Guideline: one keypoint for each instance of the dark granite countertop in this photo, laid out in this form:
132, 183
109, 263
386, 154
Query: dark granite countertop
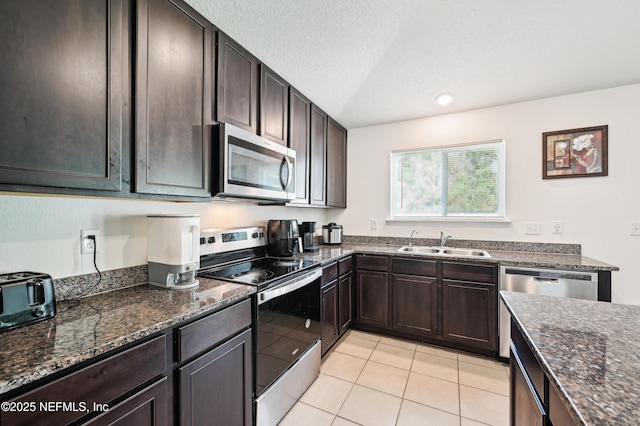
110, 320
524, 258
590, 351
102, 323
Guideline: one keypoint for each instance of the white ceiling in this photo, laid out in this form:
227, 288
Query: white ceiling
375, 61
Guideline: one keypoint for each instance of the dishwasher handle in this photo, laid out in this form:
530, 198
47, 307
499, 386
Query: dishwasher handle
547, 280
551, 275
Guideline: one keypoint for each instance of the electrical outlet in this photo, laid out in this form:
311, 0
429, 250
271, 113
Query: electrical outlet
374, 223
635, 228
532, 228
87, 244
557, 227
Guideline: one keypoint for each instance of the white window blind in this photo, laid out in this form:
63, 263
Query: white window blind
457, 181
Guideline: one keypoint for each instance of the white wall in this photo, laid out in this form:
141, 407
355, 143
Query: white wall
42, 233
596, 211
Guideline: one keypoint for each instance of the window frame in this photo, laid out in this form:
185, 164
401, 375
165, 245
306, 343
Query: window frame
500, 215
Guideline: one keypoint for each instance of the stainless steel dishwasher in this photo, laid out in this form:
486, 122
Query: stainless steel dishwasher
550, 282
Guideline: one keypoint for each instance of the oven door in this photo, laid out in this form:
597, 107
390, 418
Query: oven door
254, 167
288, 323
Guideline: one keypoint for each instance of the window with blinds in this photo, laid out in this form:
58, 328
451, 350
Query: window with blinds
456, 181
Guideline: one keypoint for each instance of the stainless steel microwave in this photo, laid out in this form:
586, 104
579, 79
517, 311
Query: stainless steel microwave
252, 167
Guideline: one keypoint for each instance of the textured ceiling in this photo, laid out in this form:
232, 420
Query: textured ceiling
375, 61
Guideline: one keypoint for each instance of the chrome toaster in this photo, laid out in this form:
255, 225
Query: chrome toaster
25, 298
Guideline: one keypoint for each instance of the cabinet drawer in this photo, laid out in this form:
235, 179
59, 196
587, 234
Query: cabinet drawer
423, 268
345, 266
470, 272
100, 383
372, 263
209, 331
329, 273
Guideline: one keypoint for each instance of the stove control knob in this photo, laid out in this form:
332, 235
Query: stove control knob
203, 240
211, 240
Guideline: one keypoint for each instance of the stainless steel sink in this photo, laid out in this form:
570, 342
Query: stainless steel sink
419, 249
444, 251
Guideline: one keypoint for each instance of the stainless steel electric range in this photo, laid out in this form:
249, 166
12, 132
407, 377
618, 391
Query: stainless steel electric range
287, 314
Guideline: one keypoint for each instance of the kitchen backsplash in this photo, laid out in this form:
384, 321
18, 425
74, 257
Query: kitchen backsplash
475, 244
85, 285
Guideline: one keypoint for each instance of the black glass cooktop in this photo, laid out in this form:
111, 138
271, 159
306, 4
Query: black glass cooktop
258, 272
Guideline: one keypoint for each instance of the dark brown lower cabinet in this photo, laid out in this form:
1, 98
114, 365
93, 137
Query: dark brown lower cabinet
415, 304
337, 301
216, 388
525, 408
444, 302
469, 313
373, 298
146, 407
329, 318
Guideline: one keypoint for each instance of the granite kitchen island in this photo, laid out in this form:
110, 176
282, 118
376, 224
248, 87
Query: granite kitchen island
581, 359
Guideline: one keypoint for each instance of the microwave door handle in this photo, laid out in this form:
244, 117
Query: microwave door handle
285, 162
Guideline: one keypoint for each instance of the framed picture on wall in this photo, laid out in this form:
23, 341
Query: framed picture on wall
575, 153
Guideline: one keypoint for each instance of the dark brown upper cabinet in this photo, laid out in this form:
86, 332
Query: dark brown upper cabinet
300, 141
173, 99
336, 164
62, 89
237, 77
274, 106
318, 166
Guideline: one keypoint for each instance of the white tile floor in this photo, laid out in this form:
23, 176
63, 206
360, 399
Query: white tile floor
368, 379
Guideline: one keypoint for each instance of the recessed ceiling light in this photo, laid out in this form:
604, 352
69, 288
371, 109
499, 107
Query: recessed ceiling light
444, 98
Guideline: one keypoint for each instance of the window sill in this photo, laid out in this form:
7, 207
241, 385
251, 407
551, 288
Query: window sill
467, 219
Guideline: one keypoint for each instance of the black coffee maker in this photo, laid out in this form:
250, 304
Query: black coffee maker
308, 230
282, 238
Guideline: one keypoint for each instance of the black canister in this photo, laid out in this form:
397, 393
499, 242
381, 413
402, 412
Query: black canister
282, 238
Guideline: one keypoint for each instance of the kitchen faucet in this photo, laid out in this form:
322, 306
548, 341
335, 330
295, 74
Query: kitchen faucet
410, 236
443, 239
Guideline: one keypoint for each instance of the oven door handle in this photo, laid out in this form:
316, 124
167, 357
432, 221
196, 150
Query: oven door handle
289, 286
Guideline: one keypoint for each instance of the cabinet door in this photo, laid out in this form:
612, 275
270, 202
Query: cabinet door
345, 300
336, 165
300, 141
173, 99
318, 170
237, 76
470, 313
274, 106
147, 407
373, 298
329, 315
62, 95
218, 385
524, 406
415, 305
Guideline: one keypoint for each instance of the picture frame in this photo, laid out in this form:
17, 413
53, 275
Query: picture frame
575, 153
